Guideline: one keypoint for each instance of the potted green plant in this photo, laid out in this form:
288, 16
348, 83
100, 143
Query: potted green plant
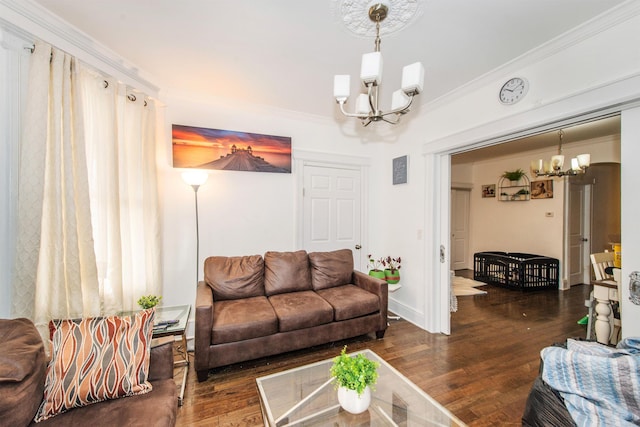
392, 272
354, 378
522, 193
513, 176
148, 301
375, 269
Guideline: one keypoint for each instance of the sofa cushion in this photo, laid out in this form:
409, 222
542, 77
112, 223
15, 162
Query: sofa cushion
350, 301
22, 371
96, 359
299, 310
235, 277
157, 408
329, 269
242, 319
286, 272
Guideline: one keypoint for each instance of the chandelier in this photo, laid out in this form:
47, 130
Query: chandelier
366, 108
553, 168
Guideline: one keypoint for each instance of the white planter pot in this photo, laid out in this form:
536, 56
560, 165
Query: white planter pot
351, 402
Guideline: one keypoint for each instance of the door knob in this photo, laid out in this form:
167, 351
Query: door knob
584, 240
358, 247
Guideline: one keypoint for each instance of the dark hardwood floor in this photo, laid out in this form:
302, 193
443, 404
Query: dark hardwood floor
482, 372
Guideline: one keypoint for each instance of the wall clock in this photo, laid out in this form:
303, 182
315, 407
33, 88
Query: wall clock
513, 90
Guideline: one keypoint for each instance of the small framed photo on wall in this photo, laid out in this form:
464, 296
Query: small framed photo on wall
542, 189
489, 190
400, 169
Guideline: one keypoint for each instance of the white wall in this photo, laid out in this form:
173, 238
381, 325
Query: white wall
600, 72
241, 213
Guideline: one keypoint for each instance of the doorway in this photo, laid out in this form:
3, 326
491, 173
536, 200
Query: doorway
332, 209
460, 200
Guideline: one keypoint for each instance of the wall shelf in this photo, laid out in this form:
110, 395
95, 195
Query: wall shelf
510, 191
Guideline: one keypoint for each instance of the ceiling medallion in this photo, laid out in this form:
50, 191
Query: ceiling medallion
354, 15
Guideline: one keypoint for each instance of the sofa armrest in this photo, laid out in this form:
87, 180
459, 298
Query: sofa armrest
161, 361
375, 286
203, 326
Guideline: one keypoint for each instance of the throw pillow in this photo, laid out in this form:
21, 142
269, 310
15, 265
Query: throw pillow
96, 359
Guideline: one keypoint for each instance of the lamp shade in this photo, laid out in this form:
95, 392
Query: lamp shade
413, 78
584, 160
195, 177
537, 166
362, 104
371, 68
341, 87
399, 99
557, 162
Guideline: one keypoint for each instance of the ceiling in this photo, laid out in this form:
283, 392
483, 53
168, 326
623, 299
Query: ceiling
284, 53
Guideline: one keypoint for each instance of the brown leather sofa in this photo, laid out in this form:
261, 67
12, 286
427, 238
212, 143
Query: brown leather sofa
252, 306
22, 378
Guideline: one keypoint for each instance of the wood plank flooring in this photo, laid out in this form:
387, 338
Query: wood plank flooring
482, 372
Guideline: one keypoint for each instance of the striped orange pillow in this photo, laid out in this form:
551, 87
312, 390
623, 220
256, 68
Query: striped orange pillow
96, 359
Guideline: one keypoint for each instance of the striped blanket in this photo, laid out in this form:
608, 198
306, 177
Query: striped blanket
600, 385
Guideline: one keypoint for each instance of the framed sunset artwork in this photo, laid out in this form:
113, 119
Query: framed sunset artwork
204, 148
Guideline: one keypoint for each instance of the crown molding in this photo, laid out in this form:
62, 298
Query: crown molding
32, 21
606, 20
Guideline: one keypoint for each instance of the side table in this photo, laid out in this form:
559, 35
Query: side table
181, 314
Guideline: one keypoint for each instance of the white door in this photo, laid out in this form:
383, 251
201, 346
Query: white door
460, 200
332, 210
578, 234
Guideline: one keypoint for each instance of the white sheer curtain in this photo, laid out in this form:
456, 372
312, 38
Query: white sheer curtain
88, 240
55, 264
120, 128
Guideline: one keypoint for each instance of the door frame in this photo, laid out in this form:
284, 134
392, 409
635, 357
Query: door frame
467, 188
302, 158
437, 159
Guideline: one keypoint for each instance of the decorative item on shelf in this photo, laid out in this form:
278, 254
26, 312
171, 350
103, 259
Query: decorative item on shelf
148, 301
354, 376
553, 168
392, 272
522, 194
375, 267
366, 108
514, 176
504, 196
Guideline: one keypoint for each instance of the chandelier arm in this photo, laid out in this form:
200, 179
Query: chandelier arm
346, 113
393, 122
373, 98
402, 110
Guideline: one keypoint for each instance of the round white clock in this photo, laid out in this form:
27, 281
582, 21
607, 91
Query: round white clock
513, 90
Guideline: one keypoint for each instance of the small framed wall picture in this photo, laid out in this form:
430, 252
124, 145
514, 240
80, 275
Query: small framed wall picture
400, 168
489, 190
542, 189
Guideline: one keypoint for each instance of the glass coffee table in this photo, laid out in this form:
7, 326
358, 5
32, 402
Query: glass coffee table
306, 396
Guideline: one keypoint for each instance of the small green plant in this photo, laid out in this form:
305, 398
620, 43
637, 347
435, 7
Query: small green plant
523, 192
513, 175
148, 301
354, 373
375, 264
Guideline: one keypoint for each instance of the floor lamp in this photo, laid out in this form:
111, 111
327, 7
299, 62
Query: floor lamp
195, 178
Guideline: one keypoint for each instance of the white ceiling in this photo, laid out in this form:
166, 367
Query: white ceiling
284, 53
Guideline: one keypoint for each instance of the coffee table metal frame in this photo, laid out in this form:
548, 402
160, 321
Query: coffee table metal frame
305, 396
